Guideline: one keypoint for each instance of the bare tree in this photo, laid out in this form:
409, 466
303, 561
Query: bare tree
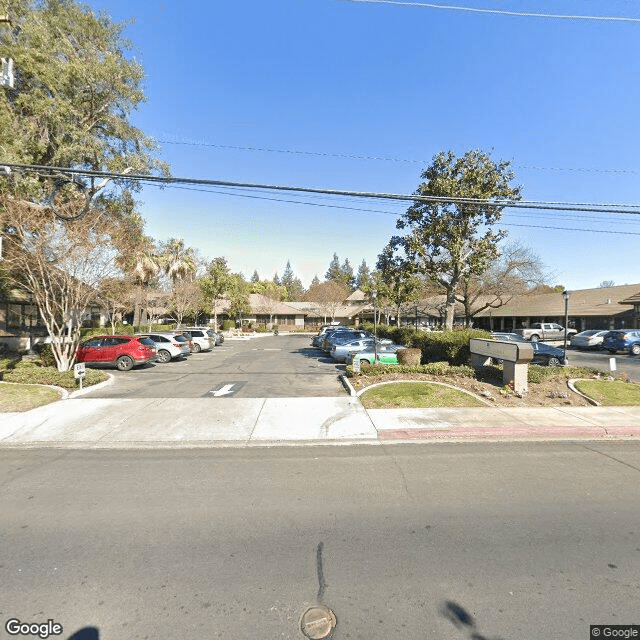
117, 296
186, 300
60, 264
517, 271
328, 297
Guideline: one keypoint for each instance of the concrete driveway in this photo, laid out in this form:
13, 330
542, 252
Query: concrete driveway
268, 366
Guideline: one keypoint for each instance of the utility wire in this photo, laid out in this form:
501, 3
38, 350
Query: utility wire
351, 156
631, 209
428, 5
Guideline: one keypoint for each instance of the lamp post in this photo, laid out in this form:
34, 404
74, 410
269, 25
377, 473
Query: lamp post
374, 294
565, 295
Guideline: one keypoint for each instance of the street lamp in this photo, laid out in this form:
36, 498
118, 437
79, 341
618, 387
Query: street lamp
565, 295
374, 294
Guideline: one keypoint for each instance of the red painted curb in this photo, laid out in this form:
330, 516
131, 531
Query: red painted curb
561, 431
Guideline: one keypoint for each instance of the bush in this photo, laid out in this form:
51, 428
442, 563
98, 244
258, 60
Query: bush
50, 375
408, 356
452, 346
435, 368
228, 324
45, 351
9, 362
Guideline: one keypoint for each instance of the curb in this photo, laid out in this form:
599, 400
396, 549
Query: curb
442, 384
80, 392
587, 398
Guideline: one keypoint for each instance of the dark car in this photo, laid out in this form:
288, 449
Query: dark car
122, 352
543, 353
622, 340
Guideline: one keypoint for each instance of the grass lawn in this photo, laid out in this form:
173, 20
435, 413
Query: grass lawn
22, 397
610, 392
418, 395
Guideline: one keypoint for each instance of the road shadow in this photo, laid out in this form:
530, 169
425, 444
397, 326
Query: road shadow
316, 354
463, 620
86, 633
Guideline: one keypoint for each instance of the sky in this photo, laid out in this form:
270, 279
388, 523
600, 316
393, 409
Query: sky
360, 96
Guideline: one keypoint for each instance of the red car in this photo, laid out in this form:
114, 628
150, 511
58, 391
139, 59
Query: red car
123, 352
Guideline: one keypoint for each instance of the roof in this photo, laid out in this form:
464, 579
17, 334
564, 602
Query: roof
601, 301
263, 304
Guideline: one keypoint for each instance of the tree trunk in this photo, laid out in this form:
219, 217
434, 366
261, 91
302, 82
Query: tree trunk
449, 310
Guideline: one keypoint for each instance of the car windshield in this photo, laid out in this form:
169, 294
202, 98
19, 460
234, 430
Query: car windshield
180, 338
148, 341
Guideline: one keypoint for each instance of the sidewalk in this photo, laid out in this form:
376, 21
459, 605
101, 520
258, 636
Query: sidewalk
238, 422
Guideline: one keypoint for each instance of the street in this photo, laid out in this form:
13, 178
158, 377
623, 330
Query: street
510, 540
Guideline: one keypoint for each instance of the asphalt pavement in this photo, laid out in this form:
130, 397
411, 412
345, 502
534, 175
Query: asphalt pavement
84, 421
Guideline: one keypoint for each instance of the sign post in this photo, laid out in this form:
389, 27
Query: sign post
79, 371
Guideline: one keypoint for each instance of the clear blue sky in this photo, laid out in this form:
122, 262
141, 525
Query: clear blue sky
290, 79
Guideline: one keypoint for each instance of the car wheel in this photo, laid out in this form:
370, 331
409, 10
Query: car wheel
164, 356
535, 338
124, 363
635, 350
364, 362
554, 362
611, 351
196, 348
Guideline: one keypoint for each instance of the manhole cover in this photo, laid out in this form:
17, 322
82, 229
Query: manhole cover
318, 622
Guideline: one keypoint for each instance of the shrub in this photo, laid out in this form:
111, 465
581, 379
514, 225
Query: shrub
228, 324
9, 362
45, 351
408, 356
452, 346
50, 375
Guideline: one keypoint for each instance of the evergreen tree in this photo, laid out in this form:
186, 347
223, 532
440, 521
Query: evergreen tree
255, 277
276, 278
291, 283
315, 281
334, 271
363, 278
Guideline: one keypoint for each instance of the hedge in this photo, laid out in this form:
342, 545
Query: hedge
34, 374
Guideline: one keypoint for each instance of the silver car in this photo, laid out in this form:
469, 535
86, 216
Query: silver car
169, 346
591, 339
340, 351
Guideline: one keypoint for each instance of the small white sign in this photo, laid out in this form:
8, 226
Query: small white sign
612, 364
356, 366
79, 370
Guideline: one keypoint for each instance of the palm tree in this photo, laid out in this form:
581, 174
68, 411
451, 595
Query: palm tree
145, 268
177, 260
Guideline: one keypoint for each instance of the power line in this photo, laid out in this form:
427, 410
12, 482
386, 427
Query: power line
395, 213
353, 156
631, 209
428, 5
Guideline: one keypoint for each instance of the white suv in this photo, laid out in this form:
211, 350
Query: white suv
202, 338
169, 346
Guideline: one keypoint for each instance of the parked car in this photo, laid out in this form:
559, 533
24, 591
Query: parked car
218, 337
122, 352
169, 346
341, 350
545, 331
543, 354
386, 355
622, 340
591, 339
330, 337
201, 339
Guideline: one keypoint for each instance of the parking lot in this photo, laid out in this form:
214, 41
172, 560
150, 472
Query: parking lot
263, 367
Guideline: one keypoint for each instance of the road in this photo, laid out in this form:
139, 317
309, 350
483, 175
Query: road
264, 367
511, 541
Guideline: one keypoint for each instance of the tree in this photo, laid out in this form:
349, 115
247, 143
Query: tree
268, 288
238, 296
515, 272
396, 284
216, 286
76, 86
340, 273
605, 284
315, 281
116, 294
60, 267
186, 300
292, 284
449, 240
255, 277
363, 277
328, 296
